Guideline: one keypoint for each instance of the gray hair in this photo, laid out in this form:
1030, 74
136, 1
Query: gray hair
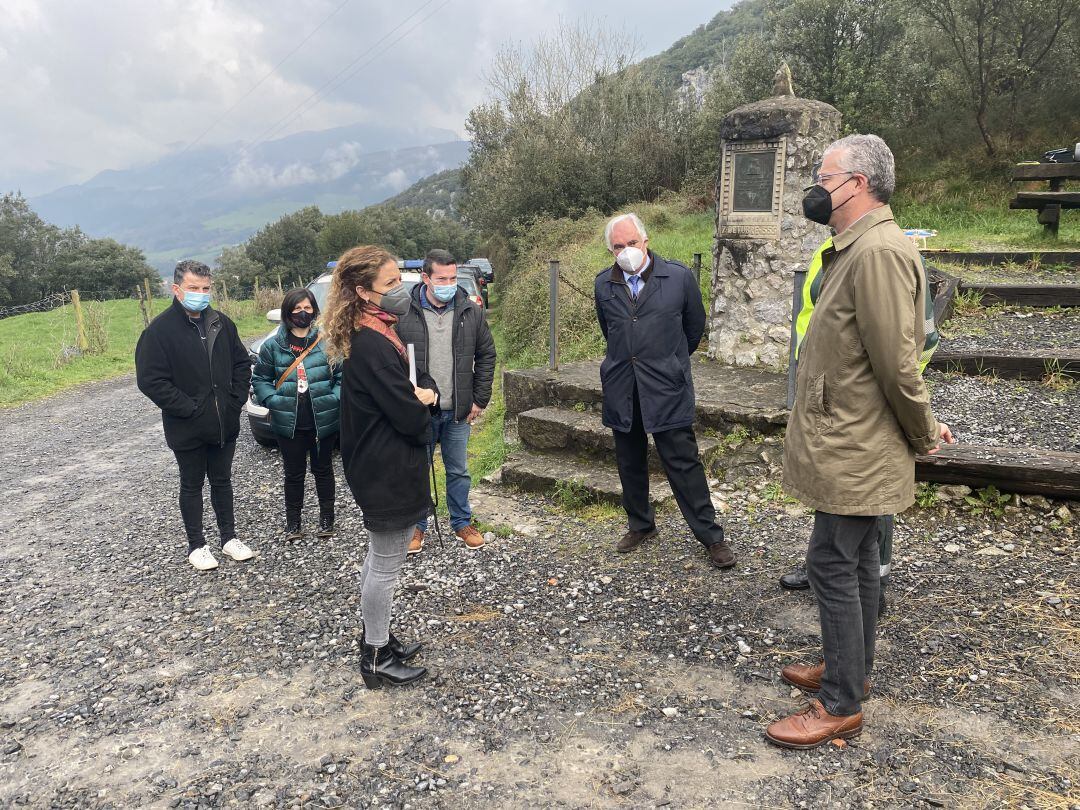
189, 266
871, 157
620, 218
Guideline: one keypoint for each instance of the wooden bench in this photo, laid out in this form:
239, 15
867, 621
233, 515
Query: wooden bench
1047, 203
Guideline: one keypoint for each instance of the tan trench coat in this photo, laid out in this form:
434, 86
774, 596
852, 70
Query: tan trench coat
861, 410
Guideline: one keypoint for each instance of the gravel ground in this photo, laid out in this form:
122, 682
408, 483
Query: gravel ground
563, 674
999, 412
1019, 329
1012, 274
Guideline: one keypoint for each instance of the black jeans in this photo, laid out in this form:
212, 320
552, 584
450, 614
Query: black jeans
214, 462
295, 453
842, 564
678, 450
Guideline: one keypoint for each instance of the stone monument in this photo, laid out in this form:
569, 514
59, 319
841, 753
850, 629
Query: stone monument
768, 152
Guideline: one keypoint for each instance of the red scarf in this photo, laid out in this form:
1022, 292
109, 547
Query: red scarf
383, 322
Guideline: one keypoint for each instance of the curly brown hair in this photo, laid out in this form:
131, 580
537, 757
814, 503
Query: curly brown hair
357, 267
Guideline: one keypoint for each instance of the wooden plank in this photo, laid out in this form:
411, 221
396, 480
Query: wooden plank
1046, 171
1010, 469
1027, 295
944, 294
1010, 365
940, 255
1042, 199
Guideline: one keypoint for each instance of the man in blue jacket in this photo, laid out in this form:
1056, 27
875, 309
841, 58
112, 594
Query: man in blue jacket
652, 316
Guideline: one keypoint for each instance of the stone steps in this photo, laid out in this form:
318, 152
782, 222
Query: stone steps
726, 396
553, 474
582, 434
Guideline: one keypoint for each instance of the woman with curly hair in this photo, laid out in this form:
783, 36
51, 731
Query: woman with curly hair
385, 430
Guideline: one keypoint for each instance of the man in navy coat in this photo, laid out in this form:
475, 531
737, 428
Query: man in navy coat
651, 314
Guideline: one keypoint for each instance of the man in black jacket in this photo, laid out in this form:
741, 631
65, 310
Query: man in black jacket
453, 344
652, 316
191, 363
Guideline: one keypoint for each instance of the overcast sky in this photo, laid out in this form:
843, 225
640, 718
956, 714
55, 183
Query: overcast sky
90, 85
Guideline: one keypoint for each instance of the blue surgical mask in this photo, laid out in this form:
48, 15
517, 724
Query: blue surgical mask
445, 292
196, 301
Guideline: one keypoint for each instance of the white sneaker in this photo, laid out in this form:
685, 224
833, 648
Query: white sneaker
202, 560
238, 550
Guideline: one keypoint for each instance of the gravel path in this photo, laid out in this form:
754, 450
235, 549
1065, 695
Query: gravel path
998, 412
1013, 329
1004, 274
564, 675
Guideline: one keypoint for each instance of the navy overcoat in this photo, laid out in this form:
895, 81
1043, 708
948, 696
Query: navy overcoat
649, 343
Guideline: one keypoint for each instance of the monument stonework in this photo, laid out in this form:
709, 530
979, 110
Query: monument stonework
768, 152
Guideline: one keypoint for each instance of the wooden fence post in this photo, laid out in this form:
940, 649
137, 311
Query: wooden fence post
80, 325
142, 306
255, 294
149, 298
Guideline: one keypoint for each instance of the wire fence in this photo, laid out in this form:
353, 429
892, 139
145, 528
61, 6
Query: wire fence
45, 304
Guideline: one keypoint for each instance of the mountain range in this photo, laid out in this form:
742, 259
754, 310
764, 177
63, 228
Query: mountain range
191, 203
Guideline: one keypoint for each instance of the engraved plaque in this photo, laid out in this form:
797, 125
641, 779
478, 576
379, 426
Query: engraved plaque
751, 186
753, 189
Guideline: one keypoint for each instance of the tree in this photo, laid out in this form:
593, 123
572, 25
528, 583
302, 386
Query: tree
570, 127
289, 244
239, 271
103, 267
1002, 48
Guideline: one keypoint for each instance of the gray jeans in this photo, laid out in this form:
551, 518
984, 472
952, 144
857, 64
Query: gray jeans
382, 566
842, 564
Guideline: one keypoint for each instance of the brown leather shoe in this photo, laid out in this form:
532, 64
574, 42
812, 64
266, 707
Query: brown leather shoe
808, 678
632, 540
721, 555
416, 545
813, 726
471, 537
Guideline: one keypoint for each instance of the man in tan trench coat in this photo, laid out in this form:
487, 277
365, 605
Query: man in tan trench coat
861, 414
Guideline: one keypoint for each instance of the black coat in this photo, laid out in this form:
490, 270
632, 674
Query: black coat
474, 350
385, 431
649, 343
200, 390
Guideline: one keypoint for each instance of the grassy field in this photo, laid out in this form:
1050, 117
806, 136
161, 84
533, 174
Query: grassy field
38, 357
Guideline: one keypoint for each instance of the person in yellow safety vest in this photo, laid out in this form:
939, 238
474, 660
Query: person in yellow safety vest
797, 579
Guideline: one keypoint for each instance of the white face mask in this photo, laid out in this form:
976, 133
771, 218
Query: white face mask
630, 259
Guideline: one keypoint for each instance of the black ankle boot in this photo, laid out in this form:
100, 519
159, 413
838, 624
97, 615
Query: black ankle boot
292, 530
379, 665
326, 525
401, 651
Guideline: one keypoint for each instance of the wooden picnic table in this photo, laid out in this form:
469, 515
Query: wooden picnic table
1047, 203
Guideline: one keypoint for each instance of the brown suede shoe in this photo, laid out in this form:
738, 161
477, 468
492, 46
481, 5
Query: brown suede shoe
813, 726
721, 555
632, 540
416, 545
809, 678
471, 537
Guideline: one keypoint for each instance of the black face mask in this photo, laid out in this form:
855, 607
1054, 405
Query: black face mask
302, 319
817, 203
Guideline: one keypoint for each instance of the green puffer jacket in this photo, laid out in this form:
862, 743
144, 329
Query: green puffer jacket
324, 385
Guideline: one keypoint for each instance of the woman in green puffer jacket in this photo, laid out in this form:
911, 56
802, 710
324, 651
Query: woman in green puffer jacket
304, 407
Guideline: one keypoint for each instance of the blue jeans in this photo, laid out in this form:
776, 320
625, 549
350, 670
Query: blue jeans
453, 438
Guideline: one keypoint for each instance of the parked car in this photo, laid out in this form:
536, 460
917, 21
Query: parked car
487, 272
472, 272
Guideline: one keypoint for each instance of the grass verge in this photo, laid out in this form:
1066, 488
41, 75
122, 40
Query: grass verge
39, 357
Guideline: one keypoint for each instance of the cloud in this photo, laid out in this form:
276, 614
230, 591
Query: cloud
113, 83
335, 163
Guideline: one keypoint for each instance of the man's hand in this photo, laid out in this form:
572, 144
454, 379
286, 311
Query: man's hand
946, 436
474, 414
425, 395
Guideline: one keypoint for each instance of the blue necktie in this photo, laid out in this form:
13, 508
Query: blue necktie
635, 283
